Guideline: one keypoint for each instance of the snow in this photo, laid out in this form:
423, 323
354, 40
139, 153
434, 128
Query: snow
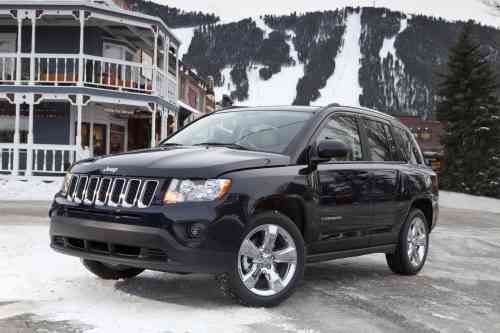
388, 46
57, 288
186, 36
280, 89
399, 85
468, 202
12, 190
343, 86
263, 26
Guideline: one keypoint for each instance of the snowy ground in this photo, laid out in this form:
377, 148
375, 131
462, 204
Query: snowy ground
458, 291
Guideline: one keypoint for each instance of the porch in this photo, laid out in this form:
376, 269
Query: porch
87, 48
44, 138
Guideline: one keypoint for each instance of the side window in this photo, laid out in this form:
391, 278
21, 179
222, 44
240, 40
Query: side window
416, 156
344, 129
403, 145
379, 140
407, 147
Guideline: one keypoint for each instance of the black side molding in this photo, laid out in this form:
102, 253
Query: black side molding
350, 253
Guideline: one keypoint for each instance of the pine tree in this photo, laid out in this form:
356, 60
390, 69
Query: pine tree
470, 109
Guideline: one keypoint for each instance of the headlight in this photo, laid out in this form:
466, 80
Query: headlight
185, 190
66, 181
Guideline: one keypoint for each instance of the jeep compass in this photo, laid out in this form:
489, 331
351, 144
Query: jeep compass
252, 195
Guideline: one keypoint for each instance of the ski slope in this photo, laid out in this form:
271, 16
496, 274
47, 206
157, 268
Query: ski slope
343, 86
280, 89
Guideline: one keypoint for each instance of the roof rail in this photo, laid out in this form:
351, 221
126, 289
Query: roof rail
332, 105
233, 107
376, 112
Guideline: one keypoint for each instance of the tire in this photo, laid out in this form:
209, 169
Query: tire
111, 272
274, 271
410, 255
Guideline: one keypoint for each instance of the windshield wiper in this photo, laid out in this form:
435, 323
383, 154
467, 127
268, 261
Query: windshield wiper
223, 144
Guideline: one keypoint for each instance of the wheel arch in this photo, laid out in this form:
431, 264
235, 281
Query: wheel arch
291, 206
425, 205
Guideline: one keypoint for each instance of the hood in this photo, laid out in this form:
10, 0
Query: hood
180, 162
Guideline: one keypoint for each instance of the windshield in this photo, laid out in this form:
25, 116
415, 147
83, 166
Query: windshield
270, 131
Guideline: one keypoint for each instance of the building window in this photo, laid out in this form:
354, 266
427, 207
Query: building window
172, 61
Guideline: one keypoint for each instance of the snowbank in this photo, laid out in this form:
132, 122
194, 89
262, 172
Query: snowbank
12, 190
470, 202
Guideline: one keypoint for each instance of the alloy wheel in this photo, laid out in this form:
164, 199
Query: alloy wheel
267, 260
417, 241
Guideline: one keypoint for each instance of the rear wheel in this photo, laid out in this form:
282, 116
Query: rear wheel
411, 253
269, 263
111, 272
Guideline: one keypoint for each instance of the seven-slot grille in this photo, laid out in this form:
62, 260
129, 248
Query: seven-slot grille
113, 192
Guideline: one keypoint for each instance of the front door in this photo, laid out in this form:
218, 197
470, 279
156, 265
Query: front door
344, 189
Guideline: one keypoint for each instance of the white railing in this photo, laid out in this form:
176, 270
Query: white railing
118, 74
37, 158
53, 158
8, 67
6, 157
56, 68
98, 72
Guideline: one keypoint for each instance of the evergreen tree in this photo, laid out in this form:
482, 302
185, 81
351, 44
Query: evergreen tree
469, 107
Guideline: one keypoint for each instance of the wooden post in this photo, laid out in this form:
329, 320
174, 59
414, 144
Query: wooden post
33, 49
81, 66
153, 126
19, 47
29, 158
79, 107
163, 122
15, 167
155, 62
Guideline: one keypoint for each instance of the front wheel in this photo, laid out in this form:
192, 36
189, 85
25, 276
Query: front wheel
411, 252
269, 263
111, 272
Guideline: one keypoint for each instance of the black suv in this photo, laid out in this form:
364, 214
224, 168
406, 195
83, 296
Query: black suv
252, 195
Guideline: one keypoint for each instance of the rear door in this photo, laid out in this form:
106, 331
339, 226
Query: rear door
344, 188
385, 169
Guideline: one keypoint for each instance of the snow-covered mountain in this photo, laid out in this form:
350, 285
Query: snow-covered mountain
372, 57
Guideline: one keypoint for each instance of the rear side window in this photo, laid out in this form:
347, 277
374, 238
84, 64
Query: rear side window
344, 129
403, 145
407, 147
379, 140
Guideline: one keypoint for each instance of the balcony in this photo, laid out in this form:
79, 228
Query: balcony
96, 72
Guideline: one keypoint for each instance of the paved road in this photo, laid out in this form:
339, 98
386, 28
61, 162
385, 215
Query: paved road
458, 291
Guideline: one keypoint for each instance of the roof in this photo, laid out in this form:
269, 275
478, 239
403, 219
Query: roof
90, 4
313, 109
273, 108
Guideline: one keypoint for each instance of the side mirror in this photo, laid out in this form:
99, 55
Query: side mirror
329, 149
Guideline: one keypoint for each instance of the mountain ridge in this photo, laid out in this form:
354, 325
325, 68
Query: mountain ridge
314, 58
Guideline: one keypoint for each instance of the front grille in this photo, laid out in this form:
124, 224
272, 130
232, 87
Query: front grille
112, 192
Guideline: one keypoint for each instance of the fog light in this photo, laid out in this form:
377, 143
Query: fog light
195, 230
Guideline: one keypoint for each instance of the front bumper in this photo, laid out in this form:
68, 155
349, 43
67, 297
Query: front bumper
154, 242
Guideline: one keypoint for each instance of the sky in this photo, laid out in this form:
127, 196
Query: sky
230, 10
